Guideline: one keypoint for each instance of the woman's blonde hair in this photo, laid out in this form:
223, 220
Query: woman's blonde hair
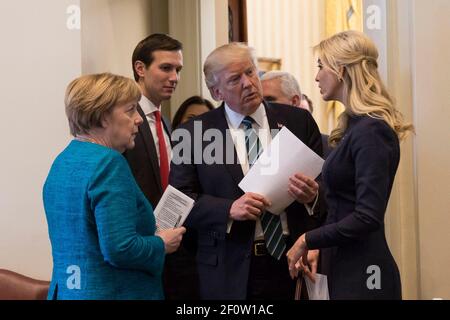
366, 94
90, 98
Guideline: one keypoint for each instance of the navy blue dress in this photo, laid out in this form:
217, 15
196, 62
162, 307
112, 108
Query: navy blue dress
358, 177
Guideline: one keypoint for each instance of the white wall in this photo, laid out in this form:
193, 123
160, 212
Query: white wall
402, 214
184, 25
39, 57
288, 30
111, 30
431, 51
202, 26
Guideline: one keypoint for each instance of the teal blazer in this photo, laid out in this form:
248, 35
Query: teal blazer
101, 227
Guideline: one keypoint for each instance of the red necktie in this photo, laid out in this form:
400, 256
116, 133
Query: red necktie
163, 157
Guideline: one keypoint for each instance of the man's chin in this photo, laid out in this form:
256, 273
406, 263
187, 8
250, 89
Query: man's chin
251, 107
167, 96
253, 102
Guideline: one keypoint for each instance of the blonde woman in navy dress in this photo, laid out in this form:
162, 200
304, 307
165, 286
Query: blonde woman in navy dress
358, 176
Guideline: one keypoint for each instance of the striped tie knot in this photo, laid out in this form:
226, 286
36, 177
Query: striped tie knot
247, 122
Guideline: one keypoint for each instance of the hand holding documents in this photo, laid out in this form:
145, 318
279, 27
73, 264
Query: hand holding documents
283, 158
173, 209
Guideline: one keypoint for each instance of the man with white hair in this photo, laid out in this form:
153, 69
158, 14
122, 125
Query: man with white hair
241, 246
281, 87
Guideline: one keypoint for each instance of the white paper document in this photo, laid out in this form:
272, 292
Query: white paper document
319, 289
283, 158
173, 209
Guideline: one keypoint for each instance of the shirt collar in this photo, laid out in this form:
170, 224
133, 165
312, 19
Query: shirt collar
147, 106
236, 118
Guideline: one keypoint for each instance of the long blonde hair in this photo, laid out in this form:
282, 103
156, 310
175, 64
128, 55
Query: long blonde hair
365, 91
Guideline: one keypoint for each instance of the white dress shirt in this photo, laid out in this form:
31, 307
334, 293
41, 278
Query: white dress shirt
261, 125
149, 108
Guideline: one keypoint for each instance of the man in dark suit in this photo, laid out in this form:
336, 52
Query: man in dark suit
236, 257
157, 62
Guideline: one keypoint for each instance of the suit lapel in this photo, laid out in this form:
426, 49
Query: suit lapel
149, 142
234, 169
275, 122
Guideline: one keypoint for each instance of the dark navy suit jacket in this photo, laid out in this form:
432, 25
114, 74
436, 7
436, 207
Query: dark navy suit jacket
326, 148
223, 260
143, 161
358, 177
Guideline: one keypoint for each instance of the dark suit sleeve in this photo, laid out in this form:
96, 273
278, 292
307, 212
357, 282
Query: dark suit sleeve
184, 178
373, 149
209, 212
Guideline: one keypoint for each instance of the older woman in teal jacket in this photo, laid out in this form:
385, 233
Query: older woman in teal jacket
101, 226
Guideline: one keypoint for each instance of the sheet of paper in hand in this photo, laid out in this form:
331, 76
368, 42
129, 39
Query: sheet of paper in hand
173, 209
283, 158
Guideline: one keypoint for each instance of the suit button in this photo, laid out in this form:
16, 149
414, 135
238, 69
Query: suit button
248, 255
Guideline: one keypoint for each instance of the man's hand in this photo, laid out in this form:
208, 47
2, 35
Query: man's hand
303, 188
248, 207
